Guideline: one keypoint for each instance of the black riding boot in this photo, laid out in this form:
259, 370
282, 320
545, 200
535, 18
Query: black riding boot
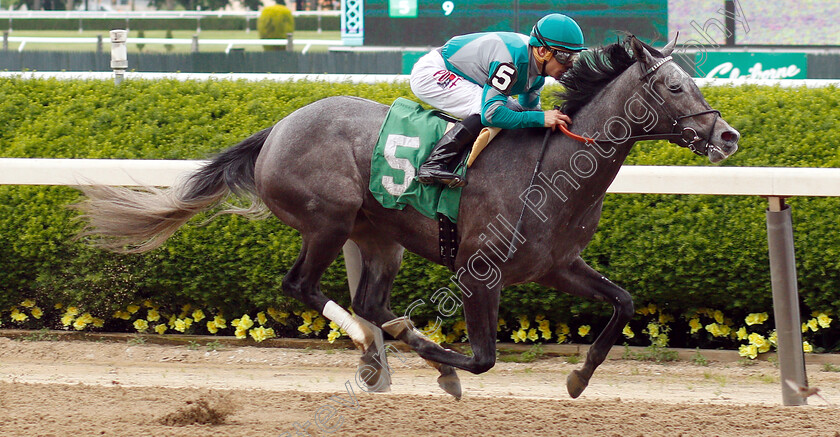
447, 150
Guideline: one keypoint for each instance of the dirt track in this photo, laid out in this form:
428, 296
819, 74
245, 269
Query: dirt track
83, 388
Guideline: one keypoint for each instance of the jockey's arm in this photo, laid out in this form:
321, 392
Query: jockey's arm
495, 113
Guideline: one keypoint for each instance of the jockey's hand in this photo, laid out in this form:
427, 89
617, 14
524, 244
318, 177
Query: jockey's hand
554, 119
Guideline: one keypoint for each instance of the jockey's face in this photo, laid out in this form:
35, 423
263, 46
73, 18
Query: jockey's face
553, 67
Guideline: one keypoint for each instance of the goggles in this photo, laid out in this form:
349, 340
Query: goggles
563, 57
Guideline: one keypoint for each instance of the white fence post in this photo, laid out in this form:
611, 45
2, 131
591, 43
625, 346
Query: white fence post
119, 56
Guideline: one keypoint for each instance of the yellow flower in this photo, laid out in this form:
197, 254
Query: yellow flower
67, 319
813, 324
122, 315
198, 315
97, 322
133, 308
258, 334
261, 319
180, 325
333, 335
583, 330
188, 322
141, 325
28, 303
718, 330
501, 324
748, 350
79, 324
212, 328
148, 304
153, 316
459, 327
58, 306
563, 329
302, 328
519, 335
279, 316
161, 328
307, 316
185, 310
36, 312
804, 327
319, 324
695, 324
220, 321
561, 338
653, 330
532, 334
759, 342
245, 322
18, 316
718, 315
628, 332
774, 338
806, 347
72, 311
651, 308
756, 318
241, 333
822, 319
437, 337
741, 333
524, 323
665, 318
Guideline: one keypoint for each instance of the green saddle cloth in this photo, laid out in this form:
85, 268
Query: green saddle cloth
406, 139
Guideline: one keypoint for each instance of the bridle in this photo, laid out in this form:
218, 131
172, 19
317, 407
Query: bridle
687, 137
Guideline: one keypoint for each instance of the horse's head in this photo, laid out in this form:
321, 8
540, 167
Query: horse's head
680, 104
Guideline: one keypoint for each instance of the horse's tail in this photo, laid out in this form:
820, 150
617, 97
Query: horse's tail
131, 221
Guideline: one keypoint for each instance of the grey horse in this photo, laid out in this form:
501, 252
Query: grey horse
312, 171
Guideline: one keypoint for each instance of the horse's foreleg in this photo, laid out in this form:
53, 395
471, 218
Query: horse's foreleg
581, 280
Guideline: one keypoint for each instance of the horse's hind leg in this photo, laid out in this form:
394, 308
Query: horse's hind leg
381, 260
581, 280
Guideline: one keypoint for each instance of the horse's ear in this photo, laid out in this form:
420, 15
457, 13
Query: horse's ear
640, 52
669, 48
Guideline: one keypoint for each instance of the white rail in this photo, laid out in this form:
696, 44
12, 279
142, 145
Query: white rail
360, 78
133, 15
731, 181
229, 43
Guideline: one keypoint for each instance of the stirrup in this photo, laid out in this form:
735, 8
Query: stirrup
449, 179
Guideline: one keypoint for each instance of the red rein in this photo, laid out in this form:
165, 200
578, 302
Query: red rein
575, 137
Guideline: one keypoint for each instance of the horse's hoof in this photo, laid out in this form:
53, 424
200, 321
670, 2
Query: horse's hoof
449, 382
576, 383
375, 377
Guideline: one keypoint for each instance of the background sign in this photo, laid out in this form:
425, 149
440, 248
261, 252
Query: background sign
751, 65
387, 22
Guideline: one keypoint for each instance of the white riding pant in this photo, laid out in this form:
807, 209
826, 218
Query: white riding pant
432, 83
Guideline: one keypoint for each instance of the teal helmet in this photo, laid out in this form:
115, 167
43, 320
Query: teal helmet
557, 30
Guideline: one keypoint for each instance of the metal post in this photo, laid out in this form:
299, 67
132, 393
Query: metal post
290, 42
119, 57
99, 46
729, 22
5, 41
785, 300
353, 261
195, 44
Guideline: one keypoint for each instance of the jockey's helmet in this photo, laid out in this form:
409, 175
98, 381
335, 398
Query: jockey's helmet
557, 31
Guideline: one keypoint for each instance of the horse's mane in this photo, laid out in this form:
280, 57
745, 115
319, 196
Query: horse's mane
594, 69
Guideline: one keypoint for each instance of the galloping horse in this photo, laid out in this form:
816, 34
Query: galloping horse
312, 170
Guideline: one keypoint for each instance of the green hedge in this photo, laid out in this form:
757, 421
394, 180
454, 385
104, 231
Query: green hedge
683, 253
306, 22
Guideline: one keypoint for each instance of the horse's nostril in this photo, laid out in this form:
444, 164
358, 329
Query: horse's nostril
730, 136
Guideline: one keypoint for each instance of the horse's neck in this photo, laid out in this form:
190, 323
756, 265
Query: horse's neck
606, 112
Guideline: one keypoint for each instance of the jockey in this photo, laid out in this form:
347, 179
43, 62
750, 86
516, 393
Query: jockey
473, 76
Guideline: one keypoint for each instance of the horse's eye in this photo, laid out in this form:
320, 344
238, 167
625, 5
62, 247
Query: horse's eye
676, 88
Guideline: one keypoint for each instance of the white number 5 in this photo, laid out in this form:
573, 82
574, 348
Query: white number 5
391, 144
503, 78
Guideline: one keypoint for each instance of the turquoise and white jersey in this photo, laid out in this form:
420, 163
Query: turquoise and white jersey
501, 63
